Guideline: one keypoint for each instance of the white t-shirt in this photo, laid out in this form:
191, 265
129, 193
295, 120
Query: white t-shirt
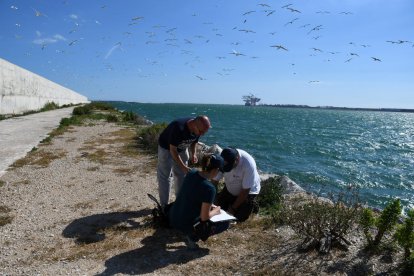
243, 176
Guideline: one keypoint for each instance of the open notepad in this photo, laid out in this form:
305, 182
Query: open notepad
223, 216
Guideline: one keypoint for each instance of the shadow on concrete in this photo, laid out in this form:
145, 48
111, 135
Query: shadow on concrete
155, 253
91, 229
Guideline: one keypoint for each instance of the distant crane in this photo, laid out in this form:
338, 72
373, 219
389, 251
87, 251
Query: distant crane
250, 100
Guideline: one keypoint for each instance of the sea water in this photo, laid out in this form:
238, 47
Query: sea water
322, 150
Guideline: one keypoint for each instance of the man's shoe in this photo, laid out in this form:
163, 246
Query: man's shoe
190, 243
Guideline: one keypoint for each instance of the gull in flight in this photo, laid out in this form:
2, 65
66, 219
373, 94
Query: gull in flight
317, 28
200, 78
247, 31
279, 47
249, 12
291, 22
38, 13
375, 59
293, 10
236, 53
73, 42
316, 49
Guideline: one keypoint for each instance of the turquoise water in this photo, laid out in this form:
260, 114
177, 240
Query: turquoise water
321, 150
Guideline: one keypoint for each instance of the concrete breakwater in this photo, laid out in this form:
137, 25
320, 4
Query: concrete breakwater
22, 90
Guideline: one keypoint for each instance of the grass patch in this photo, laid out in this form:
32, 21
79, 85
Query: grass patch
39, 158
2, 183
24, 182
83, 205
5, 217
99, 156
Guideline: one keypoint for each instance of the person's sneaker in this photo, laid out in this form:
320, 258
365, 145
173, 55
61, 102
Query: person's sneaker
190, 243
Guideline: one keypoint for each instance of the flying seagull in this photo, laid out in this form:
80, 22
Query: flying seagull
200, 78
236, 53
279, 47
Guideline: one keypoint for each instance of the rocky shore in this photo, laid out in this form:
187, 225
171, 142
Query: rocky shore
78, 206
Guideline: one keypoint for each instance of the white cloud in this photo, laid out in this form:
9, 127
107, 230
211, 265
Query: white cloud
59, 37
48, 40
73, 16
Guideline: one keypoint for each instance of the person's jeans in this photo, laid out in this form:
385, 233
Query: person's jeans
166, 166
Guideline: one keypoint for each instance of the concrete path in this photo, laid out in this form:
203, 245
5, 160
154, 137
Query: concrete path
19, 135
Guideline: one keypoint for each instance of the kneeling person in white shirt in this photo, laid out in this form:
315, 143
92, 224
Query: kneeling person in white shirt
242, 183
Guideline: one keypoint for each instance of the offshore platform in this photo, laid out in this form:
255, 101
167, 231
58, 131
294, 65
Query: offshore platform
250, 100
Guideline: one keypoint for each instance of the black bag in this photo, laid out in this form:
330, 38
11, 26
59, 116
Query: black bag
159, 214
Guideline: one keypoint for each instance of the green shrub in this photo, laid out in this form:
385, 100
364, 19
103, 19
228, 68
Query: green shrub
270, 196
382, 224
408, 266
112, 118
74, 120
367, 222
388, 219
131, 117
82, 110
322, 222
128, 116
101, 106
148, 136
405, 234
49, 106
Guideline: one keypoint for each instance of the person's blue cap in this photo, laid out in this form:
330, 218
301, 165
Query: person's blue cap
216, 161
229, 155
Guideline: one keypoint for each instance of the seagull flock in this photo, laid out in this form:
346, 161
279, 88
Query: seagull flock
175, 40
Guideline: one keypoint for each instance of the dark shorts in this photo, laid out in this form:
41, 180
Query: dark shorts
225, 199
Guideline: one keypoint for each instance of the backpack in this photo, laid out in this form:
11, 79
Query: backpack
159, 214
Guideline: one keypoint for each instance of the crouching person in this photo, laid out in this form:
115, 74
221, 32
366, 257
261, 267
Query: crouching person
193, 208
242, 184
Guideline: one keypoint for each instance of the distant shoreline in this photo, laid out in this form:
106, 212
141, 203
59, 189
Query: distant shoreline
406, 110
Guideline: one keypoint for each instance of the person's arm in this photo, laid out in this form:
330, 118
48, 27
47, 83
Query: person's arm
208, 210
242, 197
178, 160
193, 153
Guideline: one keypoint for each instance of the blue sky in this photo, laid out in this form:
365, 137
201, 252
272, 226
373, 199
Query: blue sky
353, 53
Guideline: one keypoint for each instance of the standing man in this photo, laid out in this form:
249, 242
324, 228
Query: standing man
173, 144
242, 183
